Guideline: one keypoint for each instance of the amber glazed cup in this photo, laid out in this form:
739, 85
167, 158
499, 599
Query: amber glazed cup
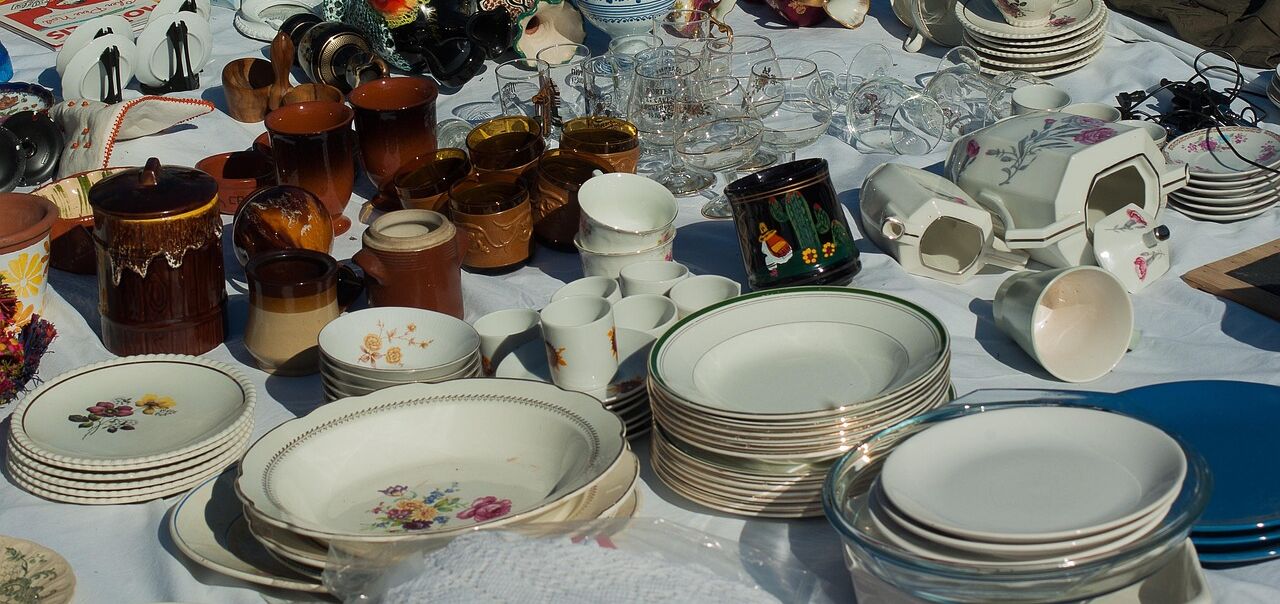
412, 258
509, 144
314, 146
612, 140
247, 83
424, 184
495, 215
238, 174
293, 294
555, 183
396, 123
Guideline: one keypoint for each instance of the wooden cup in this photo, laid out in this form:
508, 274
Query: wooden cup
246, 83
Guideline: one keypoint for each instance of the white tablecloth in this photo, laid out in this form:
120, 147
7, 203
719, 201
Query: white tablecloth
123, 554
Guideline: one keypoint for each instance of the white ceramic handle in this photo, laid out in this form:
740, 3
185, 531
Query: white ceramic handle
1173, 178
914, 41
1011, 260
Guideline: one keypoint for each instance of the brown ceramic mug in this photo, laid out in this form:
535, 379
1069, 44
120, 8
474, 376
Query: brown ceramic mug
612, 140
413, 258
554, 186
238, 174
396, 123
494, 213
314, 146
509, 144
293, 294
424, 184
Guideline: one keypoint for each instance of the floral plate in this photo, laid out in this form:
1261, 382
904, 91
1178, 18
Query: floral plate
1043, 73
1208, 152
1022, 47
1198, 215
1023, 53
529, 362
983, 17
16, 97
33, 574
1051, 60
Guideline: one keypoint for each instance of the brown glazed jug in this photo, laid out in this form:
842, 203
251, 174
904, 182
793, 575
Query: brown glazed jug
413, 258
158, 237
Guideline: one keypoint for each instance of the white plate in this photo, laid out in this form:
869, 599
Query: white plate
983, 17
1223, 201
208, 526
58, 496
520, 445
1207, 156
1022, 55
529, 362
1034, 474
85, 33
169, 7
1056, 61
1220, 184
261, 19
157, 59
1198, 215
1033, 43
38, 472
30, 479
1022, 47
86, 77
1044, 73
196, 403
1231, 188
290, 545
1225, 210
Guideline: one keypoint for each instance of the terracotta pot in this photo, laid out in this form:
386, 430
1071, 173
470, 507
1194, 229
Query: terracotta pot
280, 217
238, 173
396, 123
71, 248
314, 148
413, 258
25, 224
161, 285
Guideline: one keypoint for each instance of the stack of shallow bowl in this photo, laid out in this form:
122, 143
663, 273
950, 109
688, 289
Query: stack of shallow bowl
129, 430
420, 460
377, 348
1070, 40
1221, 186
1015, 501
754, 398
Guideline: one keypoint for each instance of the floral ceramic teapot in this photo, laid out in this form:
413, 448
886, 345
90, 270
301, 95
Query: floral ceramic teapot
1049, 177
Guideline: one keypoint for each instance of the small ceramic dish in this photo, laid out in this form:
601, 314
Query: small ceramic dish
85, 76
16, 97
155, 51
35, 569
391, 340
1208, 153
85, 33
71, 248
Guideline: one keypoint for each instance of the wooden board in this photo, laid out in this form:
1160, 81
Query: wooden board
1250, 278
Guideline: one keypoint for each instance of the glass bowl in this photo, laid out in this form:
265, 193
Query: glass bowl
844, 501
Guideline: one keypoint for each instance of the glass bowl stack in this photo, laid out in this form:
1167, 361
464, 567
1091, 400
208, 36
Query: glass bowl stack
1015, 502
754, 398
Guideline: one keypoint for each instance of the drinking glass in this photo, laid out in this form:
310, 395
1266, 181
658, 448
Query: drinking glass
734, 56
872, 61
718, 147
724, 96
563, 65
1006, 83
791, 102
960, 58
602, 80
653, 158
887, 115
965, 98
679, 25
519, 83
663, 105
632, 44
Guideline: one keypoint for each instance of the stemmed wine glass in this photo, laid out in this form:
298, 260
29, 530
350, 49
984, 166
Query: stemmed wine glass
792, 102
718, 147
664, 103
733, 56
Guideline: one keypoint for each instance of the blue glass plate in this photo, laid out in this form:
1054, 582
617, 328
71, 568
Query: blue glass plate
1237, 540
1240, 557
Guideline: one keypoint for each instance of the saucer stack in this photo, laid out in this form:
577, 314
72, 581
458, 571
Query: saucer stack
1072, 38
754, 398
450, 458
626, 395
1222, 187
377, 348
129, 430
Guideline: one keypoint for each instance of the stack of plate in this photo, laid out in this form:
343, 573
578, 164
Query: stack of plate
626, 395
447, 458
1273, 89
1221, 186
377, 348
1072, 38
129, 430
754, 398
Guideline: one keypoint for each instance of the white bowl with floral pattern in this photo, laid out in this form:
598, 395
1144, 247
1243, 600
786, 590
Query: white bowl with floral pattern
390, 342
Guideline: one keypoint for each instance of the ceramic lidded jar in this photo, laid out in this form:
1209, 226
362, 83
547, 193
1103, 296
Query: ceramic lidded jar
158, 237
25, 224
413, 258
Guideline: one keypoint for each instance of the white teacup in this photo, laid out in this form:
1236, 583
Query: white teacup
595, 285
505, 331
700, 291
652, 277
582, 343
646, 313
1076, 322
624, 213
1097, 111
1039, 97
1030, 13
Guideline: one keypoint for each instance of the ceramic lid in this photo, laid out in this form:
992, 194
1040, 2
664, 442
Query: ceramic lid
1132, 246
153, 191
409, 231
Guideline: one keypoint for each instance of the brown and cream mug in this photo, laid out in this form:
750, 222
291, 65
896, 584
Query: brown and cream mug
293, 294
413, 258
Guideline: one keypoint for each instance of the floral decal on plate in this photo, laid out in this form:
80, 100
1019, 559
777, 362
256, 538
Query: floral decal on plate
117, 414
1060, 21
1063, 133
19, 579
1222, 142
1142, 263
409, 511
1013, 8
1267, 153
385, 345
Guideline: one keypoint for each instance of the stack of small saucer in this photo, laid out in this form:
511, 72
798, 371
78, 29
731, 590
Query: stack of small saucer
377, 348
754, 399
129, 430
1221, 185
1071, 39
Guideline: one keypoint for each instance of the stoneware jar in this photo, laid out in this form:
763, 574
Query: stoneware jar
280, 218
293, 294
413, 258
25, 224
159, 243
791, 227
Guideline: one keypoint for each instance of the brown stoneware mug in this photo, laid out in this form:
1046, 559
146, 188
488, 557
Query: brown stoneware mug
424, 184
554, 186
413, 258
396, 122
494, 213
238, 173
314, 147
293, 294
509, 144
612, 140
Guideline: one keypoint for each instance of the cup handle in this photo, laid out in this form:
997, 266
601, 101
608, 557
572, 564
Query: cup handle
350, 286
915, 40
372, 267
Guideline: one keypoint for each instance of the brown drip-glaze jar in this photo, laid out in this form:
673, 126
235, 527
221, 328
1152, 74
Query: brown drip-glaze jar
158, 237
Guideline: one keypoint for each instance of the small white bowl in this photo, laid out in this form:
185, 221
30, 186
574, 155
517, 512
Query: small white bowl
698, 292
394, 340
652, 277
611, 264
624, 212
646, 313
595, 285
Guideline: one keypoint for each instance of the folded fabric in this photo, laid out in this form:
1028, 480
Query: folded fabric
91, 128
1249, 30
